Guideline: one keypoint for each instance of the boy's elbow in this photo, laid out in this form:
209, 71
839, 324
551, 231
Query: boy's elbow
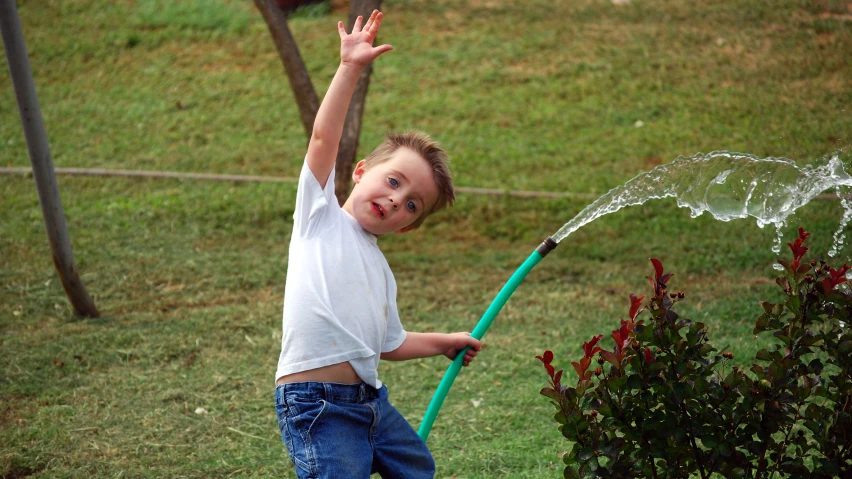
389, 356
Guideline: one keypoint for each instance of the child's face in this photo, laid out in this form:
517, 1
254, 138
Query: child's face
390, 196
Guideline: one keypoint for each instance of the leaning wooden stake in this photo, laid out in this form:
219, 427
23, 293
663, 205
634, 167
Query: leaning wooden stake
45, 179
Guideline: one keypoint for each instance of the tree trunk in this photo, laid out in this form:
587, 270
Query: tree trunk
39, 151
294, 66
352, 128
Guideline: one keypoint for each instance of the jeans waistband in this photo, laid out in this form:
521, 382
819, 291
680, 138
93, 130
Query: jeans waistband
331, 392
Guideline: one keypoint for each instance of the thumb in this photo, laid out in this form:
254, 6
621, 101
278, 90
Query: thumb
381, 49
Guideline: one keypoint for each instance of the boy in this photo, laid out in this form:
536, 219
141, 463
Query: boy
340, 314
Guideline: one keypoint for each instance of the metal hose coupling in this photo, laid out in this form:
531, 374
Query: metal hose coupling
546, 246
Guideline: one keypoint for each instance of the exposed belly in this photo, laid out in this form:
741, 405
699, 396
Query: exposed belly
336, 373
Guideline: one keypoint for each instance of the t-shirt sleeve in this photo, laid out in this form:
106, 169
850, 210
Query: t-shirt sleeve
395, 333
312, 202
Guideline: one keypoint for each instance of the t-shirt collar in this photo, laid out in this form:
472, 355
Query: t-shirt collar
367, 235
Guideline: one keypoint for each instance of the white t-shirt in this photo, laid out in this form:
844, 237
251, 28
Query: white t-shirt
340, 295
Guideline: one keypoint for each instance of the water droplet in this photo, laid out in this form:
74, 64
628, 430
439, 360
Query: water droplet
779, 238
839, 235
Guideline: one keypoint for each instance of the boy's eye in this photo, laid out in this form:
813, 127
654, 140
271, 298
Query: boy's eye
393, 182
411, 206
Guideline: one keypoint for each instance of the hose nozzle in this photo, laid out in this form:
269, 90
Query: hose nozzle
546, 246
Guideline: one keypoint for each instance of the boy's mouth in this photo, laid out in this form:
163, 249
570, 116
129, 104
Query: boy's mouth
378, 210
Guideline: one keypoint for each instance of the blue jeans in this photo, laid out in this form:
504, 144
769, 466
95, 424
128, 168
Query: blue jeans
348, 431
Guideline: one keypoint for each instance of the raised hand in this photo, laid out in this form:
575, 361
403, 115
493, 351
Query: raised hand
357, 48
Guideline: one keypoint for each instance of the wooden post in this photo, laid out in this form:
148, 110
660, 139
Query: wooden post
45, 178
294, 66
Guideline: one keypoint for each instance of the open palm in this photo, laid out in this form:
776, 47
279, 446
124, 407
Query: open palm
357, 47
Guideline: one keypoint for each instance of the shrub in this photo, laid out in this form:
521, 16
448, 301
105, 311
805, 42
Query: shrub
665, 403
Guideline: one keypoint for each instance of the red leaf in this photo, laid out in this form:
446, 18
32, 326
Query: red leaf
836, 276
548, 357
635, 304
578, 368
658, 268
666, 277
558, 378
612, 358
648, 356
622, 334
589, 348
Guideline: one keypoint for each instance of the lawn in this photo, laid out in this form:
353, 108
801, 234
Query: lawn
176, 378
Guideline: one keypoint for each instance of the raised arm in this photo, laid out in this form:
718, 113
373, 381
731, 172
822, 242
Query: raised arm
356, 52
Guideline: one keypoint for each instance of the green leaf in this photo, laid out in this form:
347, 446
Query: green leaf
550, 392
657, 366
763, 355
783, 338
761, 325
795, 302
814, 427
585, 454
634, 381
705, 349
570, 472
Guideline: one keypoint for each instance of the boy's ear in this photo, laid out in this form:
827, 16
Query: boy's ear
358, 172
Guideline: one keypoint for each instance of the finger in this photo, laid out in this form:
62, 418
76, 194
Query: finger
375, 21
358, 22
370, 21
381, 49
341, 29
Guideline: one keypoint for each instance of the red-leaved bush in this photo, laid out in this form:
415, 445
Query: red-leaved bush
665, 403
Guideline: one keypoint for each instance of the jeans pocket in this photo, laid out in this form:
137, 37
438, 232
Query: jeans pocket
301, 416
304, 413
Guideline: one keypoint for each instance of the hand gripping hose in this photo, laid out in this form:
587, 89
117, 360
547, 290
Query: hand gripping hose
453, 370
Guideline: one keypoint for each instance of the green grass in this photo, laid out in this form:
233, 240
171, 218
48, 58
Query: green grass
539, 96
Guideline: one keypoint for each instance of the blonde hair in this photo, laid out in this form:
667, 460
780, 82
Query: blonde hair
429, 150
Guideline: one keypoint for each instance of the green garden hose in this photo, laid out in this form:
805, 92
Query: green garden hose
453, 370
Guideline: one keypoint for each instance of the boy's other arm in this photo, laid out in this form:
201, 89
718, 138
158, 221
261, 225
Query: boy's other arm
425, 345
356, 52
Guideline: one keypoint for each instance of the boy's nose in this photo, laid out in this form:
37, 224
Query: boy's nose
394, 203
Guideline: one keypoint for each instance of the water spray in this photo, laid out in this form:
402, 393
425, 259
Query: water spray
726, 185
